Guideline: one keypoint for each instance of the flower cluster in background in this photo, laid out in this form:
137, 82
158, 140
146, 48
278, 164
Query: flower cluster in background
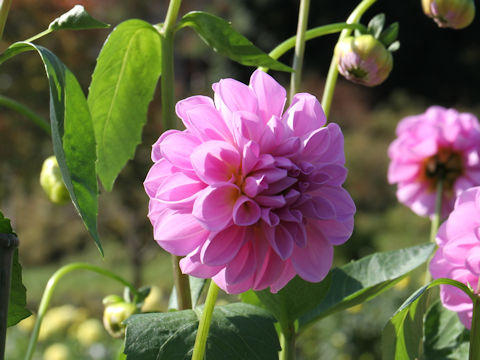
438, 145
458, 254
252, 195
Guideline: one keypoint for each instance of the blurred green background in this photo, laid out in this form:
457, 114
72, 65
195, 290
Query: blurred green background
433, 66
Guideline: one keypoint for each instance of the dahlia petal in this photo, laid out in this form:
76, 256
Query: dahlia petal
465, 318
156, 152
246, 127
245, 211
399, 172
252, 185
318, 208
317, 143
237, 288
269, 217
268, 273
250, 158
207, 124
242, 267
191, 265
335, 231
457, 251
232, 95
281, 240
156, 175
279, 185
177, 147
189, 103
305, 114
287, 274
313, 262
270, 94
274, 201
215, 161
220, 248
178, 233
334, 153
213, 207
179, 187
473, 261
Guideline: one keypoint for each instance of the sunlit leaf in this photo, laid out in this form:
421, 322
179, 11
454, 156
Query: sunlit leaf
238, 332
225, 40
123, 85
76, 19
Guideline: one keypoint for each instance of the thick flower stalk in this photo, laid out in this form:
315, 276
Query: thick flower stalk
249, 194
455, 14
458, 254
438, 145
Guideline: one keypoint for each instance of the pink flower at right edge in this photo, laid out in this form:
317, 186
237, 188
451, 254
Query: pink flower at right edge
440, 143
458, 254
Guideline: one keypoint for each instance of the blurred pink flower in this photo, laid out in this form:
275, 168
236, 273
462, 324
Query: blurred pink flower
438, 144
458, 254
251, 196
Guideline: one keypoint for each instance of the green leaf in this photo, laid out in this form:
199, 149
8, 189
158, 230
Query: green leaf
238, 332
375, 26
390, 34
17, 310
402, 336
445, 336
76, 19
196, 288
123, 85
225, 40
17, 302
364, 279
72, 134
297, 298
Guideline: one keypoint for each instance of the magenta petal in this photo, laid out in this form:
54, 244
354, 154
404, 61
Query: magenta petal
178, 187
213, 207
305, 114
235, 96
215, 162
313, 262
287, 274
269, 272
222, 247
245, 211
236, 288
191, 265
242, 266
270, 94
281, 241
473, 261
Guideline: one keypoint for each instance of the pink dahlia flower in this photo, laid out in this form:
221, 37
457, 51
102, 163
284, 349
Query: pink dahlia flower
458, 254
249, 194
440, 144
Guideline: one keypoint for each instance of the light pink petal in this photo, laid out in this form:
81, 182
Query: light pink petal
183, 106
270, 94
207, 124
179, 190
399, 172
473, 261
246, 126
456, 251
334, 152
156, 153
214, 206
313, 262
222, 247
156, 175
233, 95
191, 265
250, 158
304, 115
178, 233
215, 162
466, 318
177, 148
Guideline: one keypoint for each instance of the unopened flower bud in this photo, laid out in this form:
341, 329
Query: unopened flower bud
52, 182
455, 14
116, 311
363, 59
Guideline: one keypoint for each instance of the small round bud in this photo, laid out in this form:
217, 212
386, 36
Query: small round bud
455, 14
363, 59
52, 182
115, 313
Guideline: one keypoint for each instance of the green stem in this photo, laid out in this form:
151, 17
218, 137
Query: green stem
474, 353
182, 285
296, 76
169, 119
52, 284
332, 76
287, 342
438, 211
22, 109
204, 325
168, 77
4, 8
38, 36
314, 33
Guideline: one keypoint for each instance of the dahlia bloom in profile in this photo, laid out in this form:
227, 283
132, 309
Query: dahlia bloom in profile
249, 194
458, 254
440, 144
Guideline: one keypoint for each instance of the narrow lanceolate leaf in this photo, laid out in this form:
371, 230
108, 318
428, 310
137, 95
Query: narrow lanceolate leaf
297, 298
445, 336
402, 336
237, 332
17, 302
76, 19
362, 280
123, 85
72, 134
225, 40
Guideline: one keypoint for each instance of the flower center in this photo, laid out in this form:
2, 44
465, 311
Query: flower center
445, 166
